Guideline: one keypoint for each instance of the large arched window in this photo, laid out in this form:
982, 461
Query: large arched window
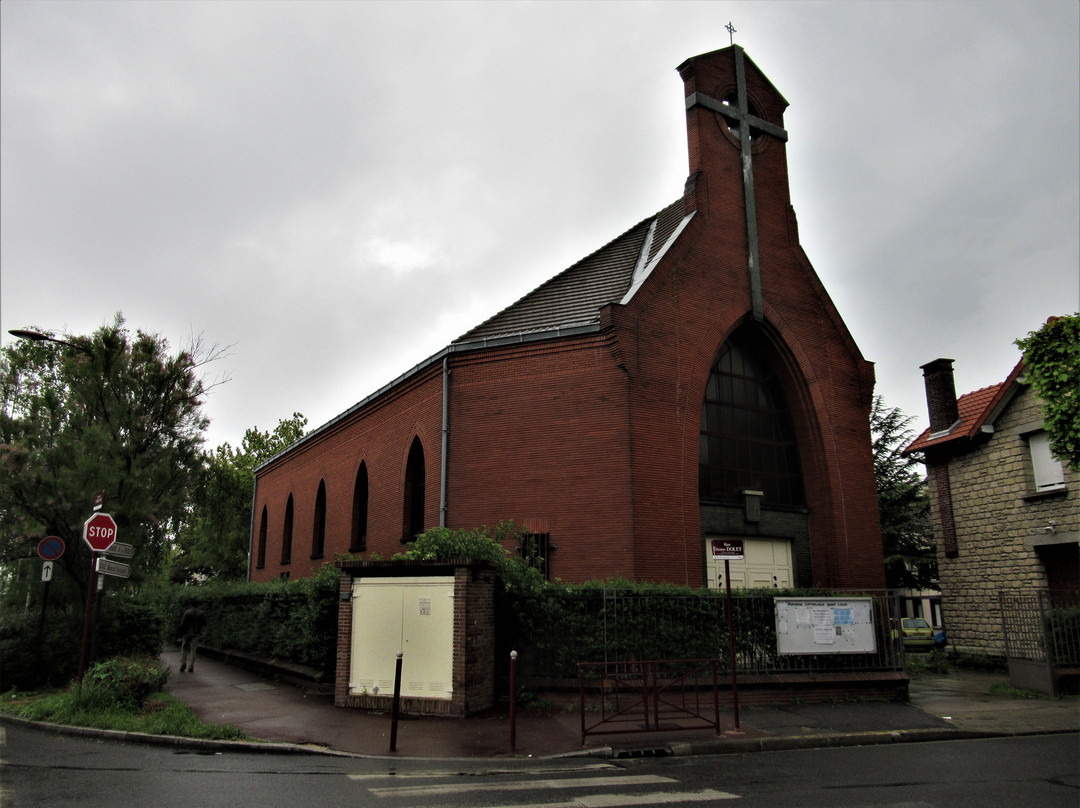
286, 533
358, 540
747, 441
318, 530
413, 521
260, 562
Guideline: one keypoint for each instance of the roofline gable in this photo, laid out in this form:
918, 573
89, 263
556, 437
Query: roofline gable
972, 424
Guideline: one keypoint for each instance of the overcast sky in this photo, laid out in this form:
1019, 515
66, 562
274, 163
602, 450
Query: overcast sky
339, 190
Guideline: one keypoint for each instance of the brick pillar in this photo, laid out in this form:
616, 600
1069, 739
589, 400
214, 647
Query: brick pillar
939, 476
344, 643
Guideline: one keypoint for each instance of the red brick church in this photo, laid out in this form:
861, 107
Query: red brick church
690, 380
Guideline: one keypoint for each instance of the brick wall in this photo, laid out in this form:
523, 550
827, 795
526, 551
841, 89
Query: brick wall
380, 436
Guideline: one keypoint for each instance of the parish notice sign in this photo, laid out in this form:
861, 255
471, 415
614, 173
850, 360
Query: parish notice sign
825, 626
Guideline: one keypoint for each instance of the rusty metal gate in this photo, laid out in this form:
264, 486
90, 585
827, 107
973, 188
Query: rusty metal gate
647, 696
1042, 636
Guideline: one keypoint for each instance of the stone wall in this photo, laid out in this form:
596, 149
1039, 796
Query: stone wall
998, 516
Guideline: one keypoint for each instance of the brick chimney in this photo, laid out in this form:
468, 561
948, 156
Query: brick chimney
940, 394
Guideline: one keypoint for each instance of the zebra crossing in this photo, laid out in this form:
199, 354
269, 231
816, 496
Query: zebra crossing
587, 786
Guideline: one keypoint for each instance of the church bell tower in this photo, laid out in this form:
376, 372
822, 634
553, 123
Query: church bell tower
738, 166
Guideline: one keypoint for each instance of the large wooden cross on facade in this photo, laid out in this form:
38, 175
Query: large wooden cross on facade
742, 122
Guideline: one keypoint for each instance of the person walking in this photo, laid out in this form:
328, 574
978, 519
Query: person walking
191, 626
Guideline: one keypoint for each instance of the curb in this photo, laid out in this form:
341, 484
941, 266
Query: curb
727, 746
177, 741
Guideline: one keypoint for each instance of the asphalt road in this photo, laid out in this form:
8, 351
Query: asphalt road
42, 768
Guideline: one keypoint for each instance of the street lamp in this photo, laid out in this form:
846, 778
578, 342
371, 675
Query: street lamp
37, 336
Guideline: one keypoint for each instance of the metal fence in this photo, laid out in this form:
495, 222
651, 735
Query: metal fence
1041, 626
613, 624
648, 696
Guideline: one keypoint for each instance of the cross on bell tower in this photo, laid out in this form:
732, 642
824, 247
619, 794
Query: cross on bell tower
741, 121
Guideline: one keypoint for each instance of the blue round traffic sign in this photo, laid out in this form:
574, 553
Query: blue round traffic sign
51, 548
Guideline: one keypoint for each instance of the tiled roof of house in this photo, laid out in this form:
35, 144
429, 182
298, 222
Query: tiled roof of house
575, 296
976, 410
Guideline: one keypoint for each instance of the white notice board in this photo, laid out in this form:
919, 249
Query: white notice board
825, 626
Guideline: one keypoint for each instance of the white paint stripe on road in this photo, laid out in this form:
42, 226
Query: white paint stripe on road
627, 800
656, 798
472, 776
522, 785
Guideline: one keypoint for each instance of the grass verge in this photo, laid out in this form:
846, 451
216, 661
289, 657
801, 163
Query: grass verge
160, 715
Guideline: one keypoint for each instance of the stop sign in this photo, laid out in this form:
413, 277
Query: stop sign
99, 531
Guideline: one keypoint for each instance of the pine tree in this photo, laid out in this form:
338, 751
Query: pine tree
903, 502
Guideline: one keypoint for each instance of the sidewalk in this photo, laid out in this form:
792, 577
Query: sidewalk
941, 707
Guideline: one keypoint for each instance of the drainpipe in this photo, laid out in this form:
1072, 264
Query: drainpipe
444, 465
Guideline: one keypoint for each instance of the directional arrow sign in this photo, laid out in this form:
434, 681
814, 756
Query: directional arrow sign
114, 568
121, 550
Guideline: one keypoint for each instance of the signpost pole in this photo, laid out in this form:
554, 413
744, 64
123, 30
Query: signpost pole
731, 643
41, 620
49, 549
91, 590
99, 533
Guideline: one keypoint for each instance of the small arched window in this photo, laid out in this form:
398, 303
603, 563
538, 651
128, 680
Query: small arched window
358, 540
413, 521
286, 533
260, 562
318, 530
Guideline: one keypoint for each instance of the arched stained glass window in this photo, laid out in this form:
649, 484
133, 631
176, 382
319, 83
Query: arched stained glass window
747, 441
286, 533
260, 562
358, 540
318, 530
413, 522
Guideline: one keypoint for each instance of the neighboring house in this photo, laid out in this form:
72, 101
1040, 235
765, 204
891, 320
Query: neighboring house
1006, 514
690, 380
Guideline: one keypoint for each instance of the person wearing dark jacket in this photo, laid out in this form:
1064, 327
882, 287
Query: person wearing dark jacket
191, 626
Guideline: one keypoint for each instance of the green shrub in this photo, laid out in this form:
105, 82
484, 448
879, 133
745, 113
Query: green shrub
932, 662
980, 662
123, 682
291, 621
129, 625
35, 654
443, 543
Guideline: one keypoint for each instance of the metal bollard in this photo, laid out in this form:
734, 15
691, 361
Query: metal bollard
513, 701
397, 704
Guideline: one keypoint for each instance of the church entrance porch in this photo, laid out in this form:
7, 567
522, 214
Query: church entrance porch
766, 564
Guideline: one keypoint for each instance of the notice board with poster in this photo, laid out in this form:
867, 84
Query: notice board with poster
825, 625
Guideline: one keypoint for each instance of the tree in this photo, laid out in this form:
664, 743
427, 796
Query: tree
903, 502
1052, 365
114, 412
213, 541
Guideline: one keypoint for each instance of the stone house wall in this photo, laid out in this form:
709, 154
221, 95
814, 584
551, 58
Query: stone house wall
998, 517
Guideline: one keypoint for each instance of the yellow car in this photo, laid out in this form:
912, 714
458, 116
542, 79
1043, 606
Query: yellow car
915, 633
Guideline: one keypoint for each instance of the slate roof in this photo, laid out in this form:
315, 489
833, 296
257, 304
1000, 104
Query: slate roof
977, 409
574, 297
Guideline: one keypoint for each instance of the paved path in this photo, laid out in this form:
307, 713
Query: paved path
954, 705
